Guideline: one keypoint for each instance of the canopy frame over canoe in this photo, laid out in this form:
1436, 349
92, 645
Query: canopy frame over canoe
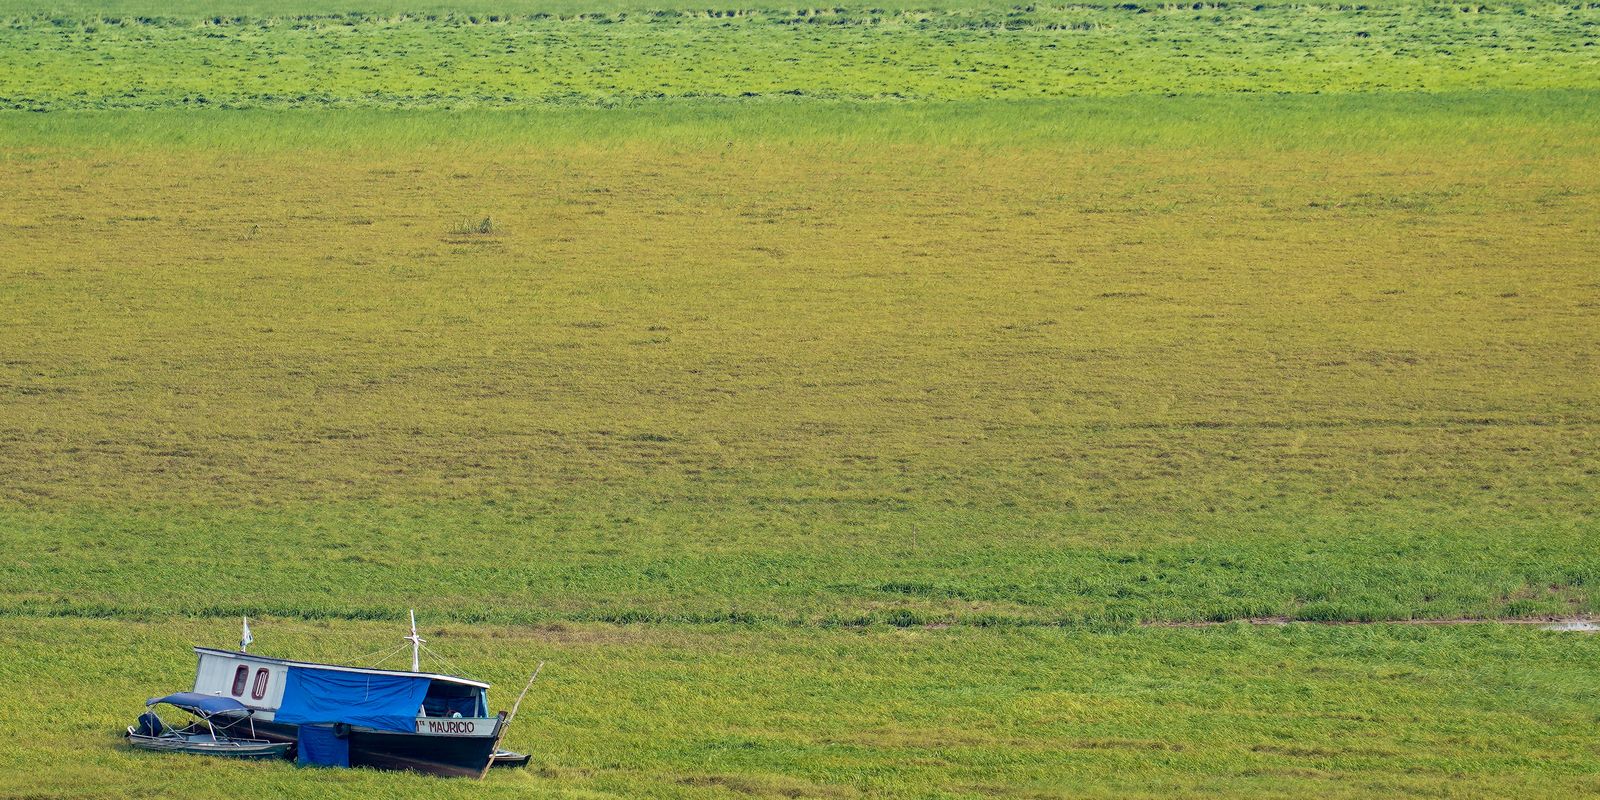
153, 734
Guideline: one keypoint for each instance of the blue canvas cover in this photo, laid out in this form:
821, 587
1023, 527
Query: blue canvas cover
384, 702
319, 747
200, 704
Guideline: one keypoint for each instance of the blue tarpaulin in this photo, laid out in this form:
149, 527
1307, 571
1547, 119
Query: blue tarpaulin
319, 747
384, 702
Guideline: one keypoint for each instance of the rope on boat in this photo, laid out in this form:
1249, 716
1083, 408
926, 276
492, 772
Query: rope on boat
454, 670
387, 654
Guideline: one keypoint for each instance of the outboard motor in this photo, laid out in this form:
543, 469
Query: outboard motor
150, 725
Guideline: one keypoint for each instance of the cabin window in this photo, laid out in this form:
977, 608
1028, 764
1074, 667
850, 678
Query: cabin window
259, 690
452, 700
241, 676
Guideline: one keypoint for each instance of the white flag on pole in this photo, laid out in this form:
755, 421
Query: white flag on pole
245, 639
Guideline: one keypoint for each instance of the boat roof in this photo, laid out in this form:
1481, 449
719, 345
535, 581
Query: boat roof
363, 670
202, 705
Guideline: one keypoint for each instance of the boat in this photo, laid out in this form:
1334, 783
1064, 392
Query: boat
351, 716
208, 735
510, 758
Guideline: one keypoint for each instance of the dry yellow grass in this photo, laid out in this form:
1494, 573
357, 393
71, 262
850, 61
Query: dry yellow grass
1053, 323
982, 363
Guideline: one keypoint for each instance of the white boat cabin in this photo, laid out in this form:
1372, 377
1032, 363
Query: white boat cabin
453, 706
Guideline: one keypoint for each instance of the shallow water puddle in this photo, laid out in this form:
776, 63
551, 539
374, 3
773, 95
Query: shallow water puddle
1579, 625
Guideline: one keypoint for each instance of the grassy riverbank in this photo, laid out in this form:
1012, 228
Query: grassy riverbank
716, 711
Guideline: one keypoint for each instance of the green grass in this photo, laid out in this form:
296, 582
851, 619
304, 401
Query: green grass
122, 60
709, 711
795, 560
1529, 126
824, 393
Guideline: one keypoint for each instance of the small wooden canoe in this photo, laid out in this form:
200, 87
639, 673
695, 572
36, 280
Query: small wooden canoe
203, 744
509, 758
205, 737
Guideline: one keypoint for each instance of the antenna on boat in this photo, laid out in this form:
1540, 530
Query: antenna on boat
245, 638
416, 643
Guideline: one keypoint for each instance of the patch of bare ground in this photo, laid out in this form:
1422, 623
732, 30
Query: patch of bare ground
766, 787
560, 633
998, 790
1122, 744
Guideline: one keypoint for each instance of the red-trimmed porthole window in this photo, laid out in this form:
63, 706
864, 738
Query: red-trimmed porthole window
259, 690
241, 676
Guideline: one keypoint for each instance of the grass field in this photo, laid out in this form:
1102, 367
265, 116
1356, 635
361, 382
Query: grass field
687, 711
824, 444
121, 59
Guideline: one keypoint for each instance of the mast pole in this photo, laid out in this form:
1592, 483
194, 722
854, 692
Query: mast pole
416, 644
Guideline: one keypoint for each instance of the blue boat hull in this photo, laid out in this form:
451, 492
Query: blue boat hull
456, 756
